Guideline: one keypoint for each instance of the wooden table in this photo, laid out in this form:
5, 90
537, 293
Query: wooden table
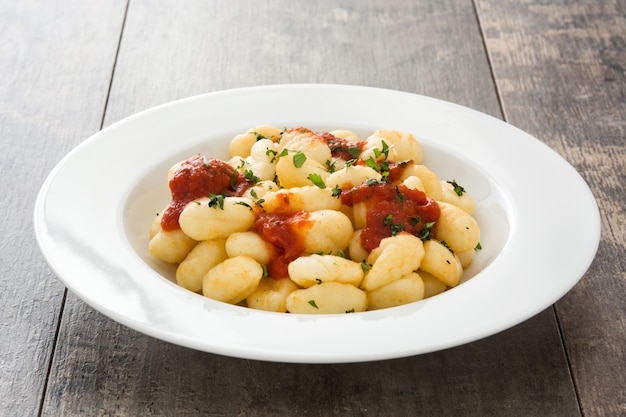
556, 69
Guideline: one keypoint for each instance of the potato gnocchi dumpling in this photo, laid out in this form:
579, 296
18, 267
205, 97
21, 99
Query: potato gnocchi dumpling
205, 219
327, 298
307, 271
407, 289
202, 258
305, 222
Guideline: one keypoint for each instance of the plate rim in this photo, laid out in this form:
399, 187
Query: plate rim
251, 352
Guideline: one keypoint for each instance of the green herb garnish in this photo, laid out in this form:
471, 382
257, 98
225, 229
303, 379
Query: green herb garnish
394, 227
426, 232
443, 242
457, 188
216, 201
259, 136
399, 195
299, 159
384, 151
273, 153
251, 177
243, 203
317, 180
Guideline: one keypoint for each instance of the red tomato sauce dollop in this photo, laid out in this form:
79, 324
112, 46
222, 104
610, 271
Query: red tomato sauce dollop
339, 147
283, 232
342, 148
200, 177
391, 209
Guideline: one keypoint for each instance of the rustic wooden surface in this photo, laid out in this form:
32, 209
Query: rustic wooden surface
556, 69
560, 70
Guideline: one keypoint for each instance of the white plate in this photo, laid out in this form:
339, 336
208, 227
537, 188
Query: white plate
540, 224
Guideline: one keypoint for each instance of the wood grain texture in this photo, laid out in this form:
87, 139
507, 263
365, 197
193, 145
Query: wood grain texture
104, 369
171, 52
168, 52
56, 60
560, 68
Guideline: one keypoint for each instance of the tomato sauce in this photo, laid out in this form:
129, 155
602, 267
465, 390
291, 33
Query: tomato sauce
342, 148
391, 209
200, 177
397, 169
339, 147
283, 232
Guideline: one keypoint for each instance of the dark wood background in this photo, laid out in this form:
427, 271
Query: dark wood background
556, 69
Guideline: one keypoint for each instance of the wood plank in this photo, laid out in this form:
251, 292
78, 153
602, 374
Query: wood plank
205, 46
107, 369
56, 59
561, 72
168, 52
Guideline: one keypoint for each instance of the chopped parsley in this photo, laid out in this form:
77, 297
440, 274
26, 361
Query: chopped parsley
251, 177
384, 151
272, 153
381, 167
243, 203
426, 232
336, 192
399, 195
394, 227
371, 162
445, 244
216, 201
457, 188
353, 151
312, 303
259, 136
371, 181
299, 159
317, 180
340, 253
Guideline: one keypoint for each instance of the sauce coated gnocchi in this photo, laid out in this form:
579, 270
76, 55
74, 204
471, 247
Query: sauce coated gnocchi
298, 221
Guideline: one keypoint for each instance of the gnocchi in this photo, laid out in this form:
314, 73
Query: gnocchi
305, 222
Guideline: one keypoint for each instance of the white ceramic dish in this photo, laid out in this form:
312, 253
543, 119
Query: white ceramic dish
540, 224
